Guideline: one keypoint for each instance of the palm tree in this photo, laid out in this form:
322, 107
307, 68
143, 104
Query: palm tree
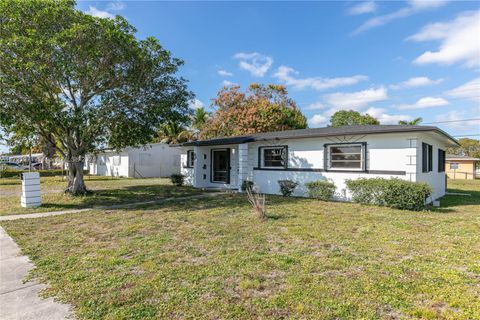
414, 122
199, 118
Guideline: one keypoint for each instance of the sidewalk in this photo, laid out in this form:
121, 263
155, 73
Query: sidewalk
19, 300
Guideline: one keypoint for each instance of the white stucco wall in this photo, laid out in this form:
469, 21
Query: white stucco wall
396, 155
155, 160
105, 165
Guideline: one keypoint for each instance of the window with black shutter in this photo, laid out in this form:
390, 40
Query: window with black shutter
430, 158
441, 160
427, 157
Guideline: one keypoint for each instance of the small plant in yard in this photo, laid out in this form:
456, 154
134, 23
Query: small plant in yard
247, 184
287, 187
320, 189
177, 179
3, 171
258, 203
394, 193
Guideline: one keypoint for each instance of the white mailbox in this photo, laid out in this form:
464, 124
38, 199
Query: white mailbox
30, 190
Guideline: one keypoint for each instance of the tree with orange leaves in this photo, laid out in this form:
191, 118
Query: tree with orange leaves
261, 108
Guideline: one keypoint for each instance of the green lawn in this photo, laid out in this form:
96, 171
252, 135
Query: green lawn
105, 191
211, 259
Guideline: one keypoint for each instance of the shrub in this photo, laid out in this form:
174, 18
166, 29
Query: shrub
247, 184
394, 193
177, 179
287, 187
320, 189
258, 204
43, 173
3, 170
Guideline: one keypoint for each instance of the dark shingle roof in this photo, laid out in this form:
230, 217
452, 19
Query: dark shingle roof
318, 132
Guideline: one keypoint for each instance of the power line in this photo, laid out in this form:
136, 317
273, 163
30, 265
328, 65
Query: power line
467, 135
449, 121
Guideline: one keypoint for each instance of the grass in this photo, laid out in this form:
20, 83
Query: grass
105, 191
211, 259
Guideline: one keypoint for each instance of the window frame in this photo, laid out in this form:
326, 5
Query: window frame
191, 156
427, 157
327, 156
441, 160
261, 157
456, 163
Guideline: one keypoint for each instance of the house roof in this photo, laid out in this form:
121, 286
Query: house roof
459, 157
319, 132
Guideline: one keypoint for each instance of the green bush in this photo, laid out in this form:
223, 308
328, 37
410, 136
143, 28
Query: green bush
3, 170
394, 193
320, 189
247, 184
177, 179
43, 173
287, 187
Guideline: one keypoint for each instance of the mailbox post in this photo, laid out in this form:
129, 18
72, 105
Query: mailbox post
30, 190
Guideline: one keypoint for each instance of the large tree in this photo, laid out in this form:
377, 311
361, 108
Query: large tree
351, 118
261, 108
81, 82
468, 147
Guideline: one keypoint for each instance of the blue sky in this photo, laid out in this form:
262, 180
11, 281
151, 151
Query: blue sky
394, 60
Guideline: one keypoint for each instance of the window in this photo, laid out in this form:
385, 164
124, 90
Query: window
273, 157
101, 160
427, 157
116, 160
441, 160
190, 158
346, 157
454, 165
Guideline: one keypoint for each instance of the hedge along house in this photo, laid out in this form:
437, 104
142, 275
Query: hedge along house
150, 161
413, 153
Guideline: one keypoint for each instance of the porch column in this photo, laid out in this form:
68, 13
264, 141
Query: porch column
242, 164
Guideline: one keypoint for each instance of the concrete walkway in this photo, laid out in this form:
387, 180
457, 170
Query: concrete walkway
19, 300
112, 207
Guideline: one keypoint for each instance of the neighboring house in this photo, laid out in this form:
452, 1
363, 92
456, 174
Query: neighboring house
414, 153
462, 167
154, 160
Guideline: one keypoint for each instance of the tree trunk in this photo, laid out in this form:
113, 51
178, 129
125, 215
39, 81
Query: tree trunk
76, 184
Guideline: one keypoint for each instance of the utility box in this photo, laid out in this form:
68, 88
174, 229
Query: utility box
30, 190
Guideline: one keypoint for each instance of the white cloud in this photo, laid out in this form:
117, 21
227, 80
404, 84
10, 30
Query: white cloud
318, 120
414, 6
459, 40
93, 11
115, 6
385, 118
469, 91
356, 100
470, 126
224, 73
196, 104
416, 82
315, 106
286, 75
255, 63
362, 8
226, 83
424, 103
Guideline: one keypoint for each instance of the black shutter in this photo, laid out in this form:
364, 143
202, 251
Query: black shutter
430, 158
424, 157
441, 160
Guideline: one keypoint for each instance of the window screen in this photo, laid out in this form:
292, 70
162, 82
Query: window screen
427, 157
349, 156
454, 165
441, 160
274, 157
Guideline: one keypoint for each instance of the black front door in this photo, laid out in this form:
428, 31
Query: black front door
220, 165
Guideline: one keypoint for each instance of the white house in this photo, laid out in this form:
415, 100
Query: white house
154, 160
414, 153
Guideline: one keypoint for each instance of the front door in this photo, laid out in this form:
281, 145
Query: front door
220, 165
